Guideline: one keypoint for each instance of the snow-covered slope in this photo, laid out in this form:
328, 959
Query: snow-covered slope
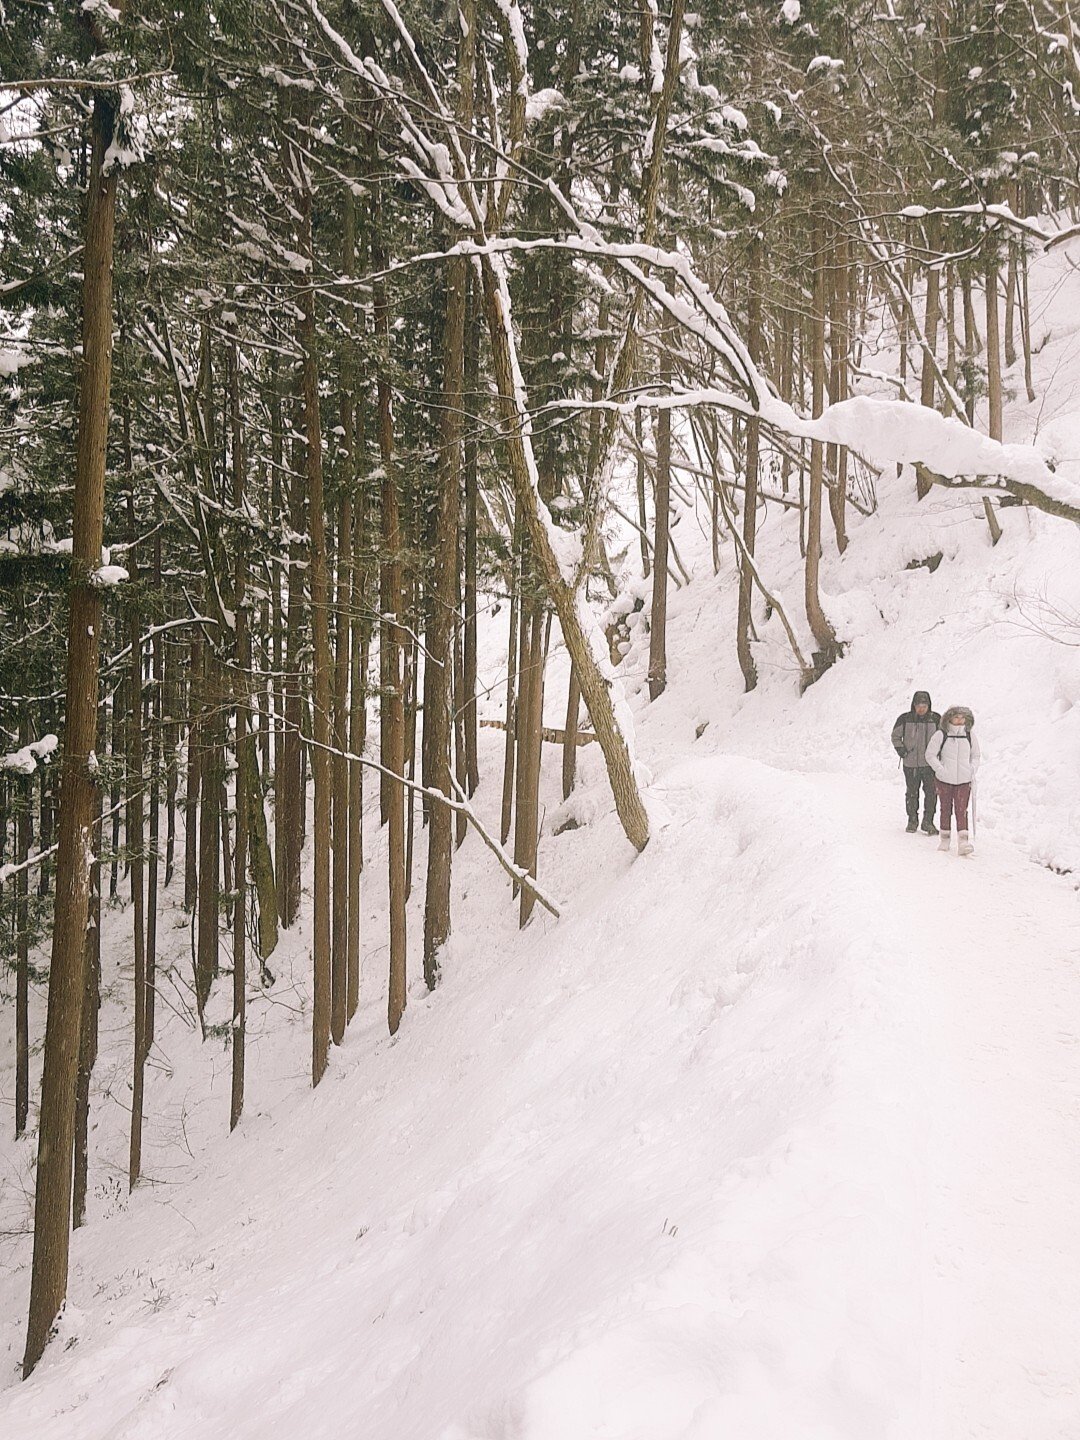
771, 1137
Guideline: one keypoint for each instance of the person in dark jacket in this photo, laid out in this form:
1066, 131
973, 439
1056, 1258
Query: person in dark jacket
910, 736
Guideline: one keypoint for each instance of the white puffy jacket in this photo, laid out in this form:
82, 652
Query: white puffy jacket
953, 757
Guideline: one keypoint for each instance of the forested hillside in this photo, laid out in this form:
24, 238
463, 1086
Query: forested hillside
489, 466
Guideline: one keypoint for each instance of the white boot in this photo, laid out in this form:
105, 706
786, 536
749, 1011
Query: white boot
965, 846
946, 839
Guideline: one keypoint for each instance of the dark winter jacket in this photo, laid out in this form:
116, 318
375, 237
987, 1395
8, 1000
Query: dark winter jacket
911, 733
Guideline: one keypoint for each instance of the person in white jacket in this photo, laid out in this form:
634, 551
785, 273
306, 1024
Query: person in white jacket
953, 754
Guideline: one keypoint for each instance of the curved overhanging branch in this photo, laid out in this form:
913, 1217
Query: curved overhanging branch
890, 432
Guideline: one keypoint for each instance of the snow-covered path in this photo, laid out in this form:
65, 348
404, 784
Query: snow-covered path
998, 946
772, 1136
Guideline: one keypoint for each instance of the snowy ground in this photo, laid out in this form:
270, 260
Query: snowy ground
771, 1137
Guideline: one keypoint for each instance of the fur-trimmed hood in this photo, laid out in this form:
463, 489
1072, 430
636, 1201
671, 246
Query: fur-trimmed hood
969, 718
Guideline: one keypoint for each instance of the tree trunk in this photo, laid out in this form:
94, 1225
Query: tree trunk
52, 1209
827, 650
643, 518
392, 713
243, 740
512, 683
88, 1034
135, 781
582, 639
210, 773
439, 660
290, 802
1025, 326
469, 639
320, 629
570, 734
993, 348
750, 496
192, 779
339, 1011
357, 703
24, 825
245, 750
662, 507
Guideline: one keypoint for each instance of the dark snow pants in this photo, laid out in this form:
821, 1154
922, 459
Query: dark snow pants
954, 798
919, 777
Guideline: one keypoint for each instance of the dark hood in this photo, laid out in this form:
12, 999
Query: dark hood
921, 695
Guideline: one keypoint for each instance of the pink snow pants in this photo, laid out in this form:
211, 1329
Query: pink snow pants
953, 799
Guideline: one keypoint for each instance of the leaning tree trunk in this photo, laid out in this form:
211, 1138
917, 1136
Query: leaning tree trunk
563, 587
52, 1208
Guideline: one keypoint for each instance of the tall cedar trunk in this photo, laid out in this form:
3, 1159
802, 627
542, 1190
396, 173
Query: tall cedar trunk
972, 344
244, 741
339, 998
24, 826
662, 509
392, 713
1025, 326
993, 347
819, 625
410, 657
570, 734
52, 1207
357, 702
320, 629
472, 450
512, 681
223, 813
749, 517
290, 808
157, 712
45, 837
278, 612
930, 333
643, 516
461, 823
440, 648
210, 776
117, 750
135, 780
191, 781
340, 944
88, 1032
838, 288
523, 701
952, 369
530, 747
1010, 305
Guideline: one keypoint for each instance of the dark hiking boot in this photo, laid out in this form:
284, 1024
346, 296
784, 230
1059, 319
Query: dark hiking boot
912, 826
929, 828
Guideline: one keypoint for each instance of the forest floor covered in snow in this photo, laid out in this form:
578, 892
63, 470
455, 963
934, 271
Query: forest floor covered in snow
770, 1137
